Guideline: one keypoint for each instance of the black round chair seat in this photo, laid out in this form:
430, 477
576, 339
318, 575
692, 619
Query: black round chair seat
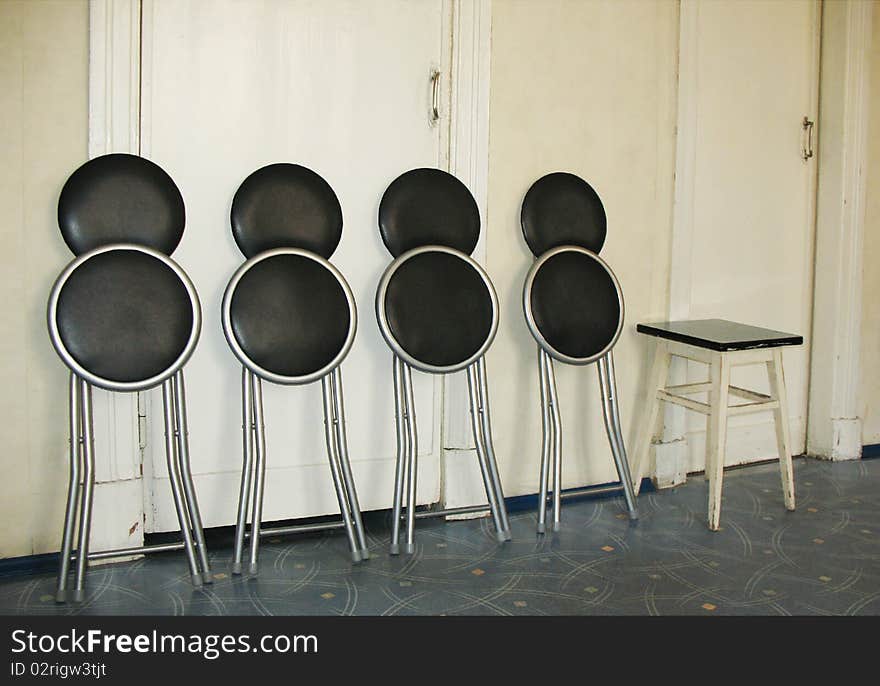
562, 209
438, 307
121, 198
428, 207
289, 316
573, 305
124, 316
286, 206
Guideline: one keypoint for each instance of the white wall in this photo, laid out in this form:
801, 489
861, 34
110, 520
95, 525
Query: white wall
43, 100
869, 400
587, 87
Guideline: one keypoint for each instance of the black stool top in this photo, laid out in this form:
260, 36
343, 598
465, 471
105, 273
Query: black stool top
573, 302
286, 206
289, 316
439, 309
428, 207
125, 316
562, 209
120, 198
719, 334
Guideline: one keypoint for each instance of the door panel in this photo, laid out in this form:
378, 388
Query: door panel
342, 88
754, 196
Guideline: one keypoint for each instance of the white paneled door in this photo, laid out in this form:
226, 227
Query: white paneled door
342, 87
749, 73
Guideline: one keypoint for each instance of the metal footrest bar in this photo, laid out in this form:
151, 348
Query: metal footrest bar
468, 509
591, 490
140, 550
297, 529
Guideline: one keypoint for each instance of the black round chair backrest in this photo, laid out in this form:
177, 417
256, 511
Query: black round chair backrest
437, 309
428, 207
562, 209
121, 198
573, 305
286, 206
124, 317
289, 316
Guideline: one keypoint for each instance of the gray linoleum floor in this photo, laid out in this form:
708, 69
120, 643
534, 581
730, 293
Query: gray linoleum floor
822, 559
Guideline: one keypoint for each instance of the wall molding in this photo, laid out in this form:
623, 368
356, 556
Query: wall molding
834, 426
114, 113
670, 455
467, 155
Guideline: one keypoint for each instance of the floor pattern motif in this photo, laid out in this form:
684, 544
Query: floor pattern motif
822, 559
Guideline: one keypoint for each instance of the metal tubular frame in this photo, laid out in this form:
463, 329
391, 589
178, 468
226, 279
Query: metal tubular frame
551, 450
552, 443
611, 415
345, 462
485, 416
253, 475
407, 451
81, 484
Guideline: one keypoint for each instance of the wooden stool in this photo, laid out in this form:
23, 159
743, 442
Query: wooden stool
721, 344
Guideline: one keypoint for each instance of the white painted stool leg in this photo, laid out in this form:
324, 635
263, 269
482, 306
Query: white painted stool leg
652, 427
780, 417
716, 436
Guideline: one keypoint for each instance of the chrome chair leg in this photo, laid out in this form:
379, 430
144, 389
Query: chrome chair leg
479, 441
345, 463
611, 415
174, 478
247, 470
259, 471
195, 516
335, 469
557, 443
483, 396
72, 489
402, 453
412, 458
88, 490
546, 447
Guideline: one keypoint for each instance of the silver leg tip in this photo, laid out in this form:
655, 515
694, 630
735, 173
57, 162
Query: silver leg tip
197, 580
253, 568
542, 529
555, 526
236, 568
356, 556
410, 548
79, 595
61, 597
395, 549
500, 536
365, 554
207, 577
634, 516
507, 535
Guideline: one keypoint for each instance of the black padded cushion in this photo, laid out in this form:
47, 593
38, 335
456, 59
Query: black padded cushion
290, 315
428, 207
120, 198
575, 304
562, 209
438, 308
286, 206
124, 316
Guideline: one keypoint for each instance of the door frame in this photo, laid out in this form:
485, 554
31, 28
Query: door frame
834, 428
115, 96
